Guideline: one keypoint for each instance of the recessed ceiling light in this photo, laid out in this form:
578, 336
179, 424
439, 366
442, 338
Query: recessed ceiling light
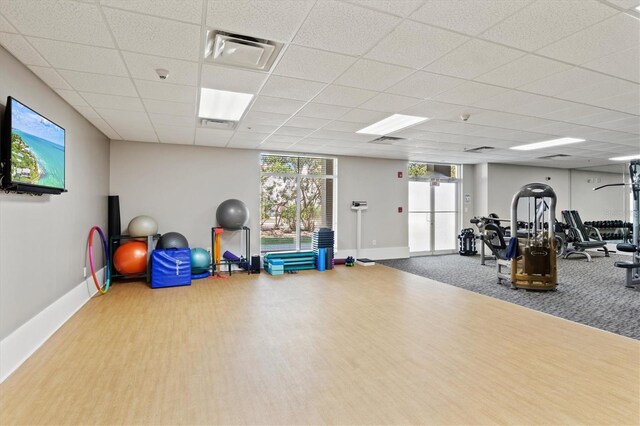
637, 8
223, 105
547, 144
626, 158
392, 124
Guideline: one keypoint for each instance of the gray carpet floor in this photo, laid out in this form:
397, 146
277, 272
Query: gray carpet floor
589, 293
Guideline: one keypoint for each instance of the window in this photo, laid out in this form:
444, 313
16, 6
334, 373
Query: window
433, 208
297, 196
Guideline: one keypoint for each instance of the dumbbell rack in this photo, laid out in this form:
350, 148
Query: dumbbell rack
612, 230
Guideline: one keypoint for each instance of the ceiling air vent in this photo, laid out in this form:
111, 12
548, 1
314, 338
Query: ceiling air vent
236, 50
554, 157
479, 149
386, 140
218, 124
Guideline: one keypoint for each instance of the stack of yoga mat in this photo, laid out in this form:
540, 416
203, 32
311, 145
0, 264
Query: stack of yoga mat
291, 261
322, 243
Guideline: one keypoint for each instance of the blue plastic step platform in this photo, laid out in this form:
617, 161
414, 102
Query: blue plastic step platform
293, 260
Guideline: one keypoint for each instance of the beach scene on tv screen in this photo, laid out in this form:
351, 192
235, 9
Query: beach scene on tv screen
37, 149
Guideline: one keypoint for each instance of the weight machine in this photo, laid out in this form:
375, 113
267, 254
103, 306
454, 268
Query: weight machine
632, 267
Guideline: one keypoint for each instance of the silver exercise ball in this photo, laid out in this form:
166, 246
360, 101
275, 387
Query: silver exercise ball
142, 226
232, 214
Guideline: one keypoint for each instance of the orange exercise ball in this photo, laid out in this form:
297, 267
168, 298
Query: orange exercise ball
131, 258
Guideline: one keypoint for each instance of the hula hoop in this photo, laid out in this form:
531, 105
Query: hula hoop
105, 288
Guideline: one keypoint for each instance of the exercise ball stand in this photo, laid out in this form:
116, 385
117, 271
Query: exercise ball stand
359, 207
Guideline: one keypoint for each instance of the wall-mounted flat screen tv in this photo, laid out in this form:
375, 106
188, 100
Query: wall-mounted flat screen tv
32, 151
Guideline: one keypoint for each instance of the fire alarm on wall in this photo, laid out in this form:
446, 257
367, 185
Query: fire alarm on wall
399, 209
400, 174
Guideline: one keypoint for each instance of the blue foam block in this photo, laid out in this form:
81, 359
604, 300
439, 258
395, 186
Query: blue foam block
170, 268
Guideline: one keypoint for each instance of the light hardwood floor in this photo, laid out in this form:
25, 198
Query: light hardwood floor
350, 346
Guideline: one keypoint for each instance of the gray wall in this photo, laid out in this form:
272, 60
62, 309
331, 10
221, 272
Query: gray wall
480, 189
505, 179
181, 186
42, 239
605, 204
375, 181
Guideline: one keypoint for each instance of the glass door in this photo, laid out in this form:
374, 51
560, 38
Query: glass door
433, 209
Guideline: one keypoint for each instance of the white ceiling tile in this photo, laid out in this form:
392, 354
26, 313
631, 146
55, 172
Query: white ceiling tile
617, 33
627, 102
98, 100
72, 97
577, 111
344, 28
363, 116
154, 36
435, 109
277, 105
474, 58
470, 17
389, 103
50, 76
547, 21
6, 27
130, 125
343, 126
625, 4
293, 131
400, 46
231, 79
102, 125
373, 75
166, 91
306, 122
343, 96
175, 134
330, 112
624, 64
607, 88
507, 100
574, 78
266, 118
77, 57
167, 107
256, 128
291, 88
522, 71
171, 120
303, 62
469, 93
144, 67
246, 140
270, 19
630, 124
99, 83
183, 10
542, 107
424, 85
212, 137
87, 111
282, 139
60, 20
394, 7
18, 47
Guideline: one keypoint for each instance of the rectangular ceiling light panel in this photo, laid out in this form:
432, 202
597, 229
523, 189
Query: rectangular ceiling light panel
626, 158
223, 105
547, 144
392, 124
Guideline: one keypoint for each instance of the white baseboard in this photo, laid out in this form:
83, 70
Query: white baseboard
381, 253
17, 347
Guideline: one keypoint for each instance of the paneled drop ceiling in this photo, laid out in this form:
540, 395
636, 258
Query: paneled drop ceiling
524, 70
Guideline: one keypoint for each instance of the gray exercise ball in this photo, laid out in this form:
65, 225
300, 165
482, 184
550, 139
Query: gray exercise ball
232, 214
142, 226
172, 240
